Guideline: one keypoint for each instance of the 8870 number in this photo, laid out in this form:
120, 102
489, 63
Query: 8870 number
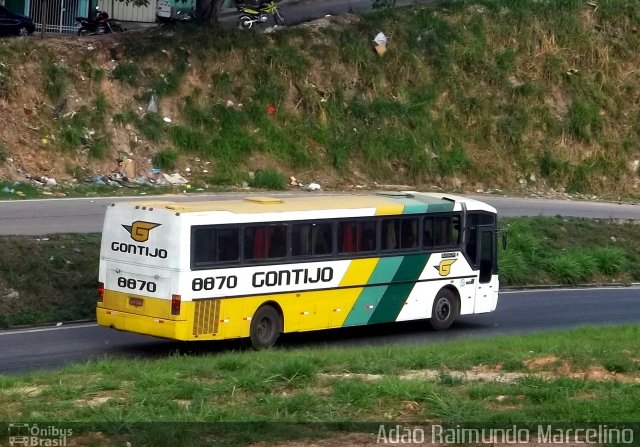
214, 282
136, 284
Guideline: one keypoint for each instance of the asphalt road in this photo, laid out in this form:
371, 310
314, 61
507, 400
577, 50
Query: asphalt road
47, 216
518, 312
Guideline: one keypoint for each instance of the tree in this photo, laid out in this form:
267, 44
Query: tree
208, 11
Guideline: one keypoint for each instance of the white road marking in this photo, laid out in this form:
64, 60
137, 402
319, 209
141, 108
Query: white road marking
47, 329
570, 289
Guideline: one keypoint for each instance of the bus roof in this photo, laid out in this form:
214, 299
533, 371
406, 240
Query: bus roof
385, 203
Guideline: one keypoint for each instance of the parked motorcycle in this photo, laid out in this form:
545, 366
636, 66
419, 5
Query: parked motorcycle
101, 24
258, 14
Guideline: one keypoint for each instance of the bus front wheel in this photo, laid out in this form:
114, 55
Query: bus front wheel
265, 327
445, 310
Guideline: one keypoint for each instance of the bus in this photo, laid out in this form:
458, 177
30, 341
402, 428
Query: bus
259, 267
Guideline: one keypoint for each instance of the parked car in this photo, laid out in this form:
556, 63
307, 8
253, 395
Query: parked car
17, 24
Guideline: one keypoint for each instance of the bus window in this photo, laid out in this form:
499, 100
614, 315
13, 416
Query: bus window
357, 236
441, 231
228, 248
265, 242
399, 234
211, 245
204, 246
487, 257
474, 220
311, 239
409, 233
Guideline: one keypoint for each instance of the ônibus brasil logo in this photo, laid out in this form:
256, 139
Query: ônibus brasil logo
139, 230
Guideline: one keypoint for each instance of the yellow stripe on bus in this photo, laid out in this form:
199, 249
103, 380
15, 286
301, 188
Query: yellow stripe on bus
389, 209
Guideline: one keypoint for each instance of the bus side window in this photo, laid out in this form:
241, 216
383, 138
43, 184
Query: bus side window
228, 245
427, 235
390, 234
277, 236
441, 231
347, 237
301, 240
367, 237
322, 239
408, 233
358, 236
265, 242
203, 246
311, 239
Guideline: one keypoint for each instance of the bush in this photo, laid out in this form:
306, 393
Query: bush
166, 159
127, 73
610, 260
513, 267
572, 267
55, 78
269, 179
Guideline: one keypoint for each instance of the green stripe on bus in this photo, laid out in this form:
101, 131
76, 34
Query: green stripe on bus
440, 207
412, 206
436, 205
396, 294
383, 273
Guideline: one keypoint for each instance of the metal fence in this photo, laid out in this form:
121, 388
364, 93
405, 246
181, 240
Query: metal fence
120, 10
59, 15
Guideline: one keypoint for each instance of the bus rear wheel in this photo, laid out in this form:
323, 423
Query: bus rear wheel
266, 327
445, 310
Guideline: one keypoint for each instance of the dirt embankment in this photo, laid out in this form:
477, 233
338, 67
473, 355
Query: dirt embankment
466, 98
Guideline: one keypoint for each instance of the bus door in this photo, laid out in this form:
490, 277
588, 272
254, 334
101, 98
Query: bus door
482, 254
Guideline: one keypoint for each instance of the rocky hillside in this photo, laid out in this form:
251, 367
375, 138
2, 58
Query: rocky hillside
469, 95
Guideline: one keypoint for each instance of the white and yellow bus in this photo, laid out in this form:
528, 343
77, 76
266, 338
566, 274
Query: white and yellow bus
262, 266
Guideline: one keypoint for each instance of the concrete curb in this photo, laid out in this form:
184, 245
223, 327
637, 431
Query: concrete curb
47, 325
571, 286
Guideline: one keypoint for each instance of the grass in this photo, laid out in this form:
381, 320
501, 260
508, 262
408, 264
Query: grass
127, 73
166, 159
86, 128
556, 250
57, 278
18, 190
55, 76
269, 179
318, 392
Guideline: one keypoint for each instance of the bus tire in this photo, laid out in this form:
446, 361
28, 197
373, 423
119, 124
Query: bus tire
445, 310
266, 327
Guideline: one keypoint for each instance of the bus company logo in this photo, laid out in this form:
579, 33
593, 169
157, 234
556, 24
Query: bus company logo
444, 268
139, 230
